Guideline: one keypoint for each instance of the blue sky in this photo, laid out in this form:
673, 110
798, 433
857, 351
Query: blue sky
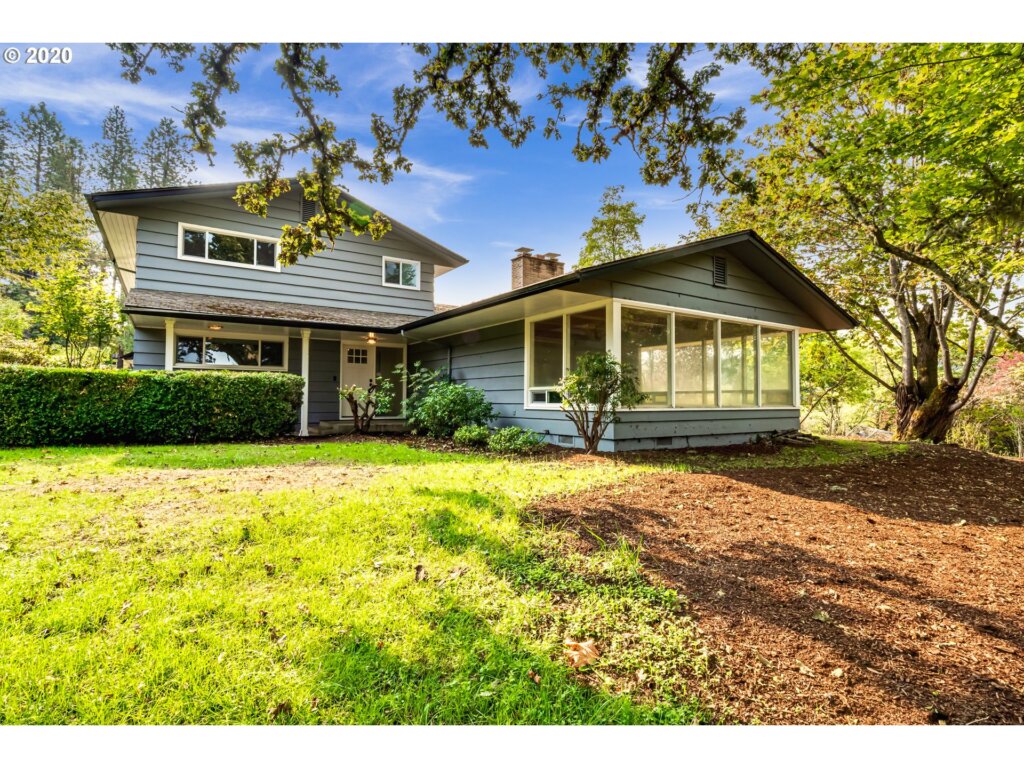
482, 203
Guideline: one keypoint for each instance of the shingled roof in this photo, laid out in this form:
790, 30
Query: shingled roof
149, 302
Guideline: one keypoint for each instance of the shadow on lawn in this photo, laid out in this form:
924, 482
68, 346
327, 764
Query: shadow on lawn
468, 675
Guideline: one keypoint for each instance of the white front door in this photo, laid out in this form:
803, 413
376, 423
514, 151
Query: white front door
357, 366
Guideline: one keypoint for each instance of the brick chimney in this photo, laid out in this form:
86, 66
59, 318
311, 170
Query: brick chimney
529, 267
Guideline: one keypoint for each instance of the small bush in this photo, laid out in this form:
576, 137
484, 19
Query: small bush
515, 440
471, 435
446, 406
75, 406
593, 393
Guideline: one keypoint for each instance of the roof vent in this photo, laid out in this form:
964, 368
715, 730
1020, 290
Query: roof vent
308, 209
719, 274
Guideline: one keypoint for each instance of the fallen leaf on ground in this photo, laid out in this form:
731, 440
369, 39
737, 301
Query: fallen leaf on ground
421, 573
281, 708
581, 654
822, 616
534, 676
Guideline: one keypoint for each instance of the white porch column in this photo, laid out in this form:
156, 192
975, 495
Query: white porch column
304, 418
169, 344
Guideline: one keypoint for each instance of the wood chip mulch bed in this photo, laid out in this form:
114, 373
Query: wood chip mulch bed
888, 591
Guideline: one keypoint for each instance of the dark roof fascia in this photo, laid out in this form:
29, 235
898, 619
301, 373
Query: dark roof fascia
248, 319
104, 199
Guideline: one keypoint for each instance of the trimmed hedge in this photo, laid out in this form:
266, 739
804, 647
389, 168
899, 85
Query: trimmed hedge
73, 406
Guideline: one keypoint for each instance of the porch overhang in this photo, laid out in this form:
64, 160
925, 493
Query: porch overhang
151, 303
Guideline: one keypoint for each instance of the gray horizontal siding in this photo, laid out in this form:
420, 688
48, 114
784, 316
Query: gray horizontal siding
492, 359
149, 349
686, 283
348, 276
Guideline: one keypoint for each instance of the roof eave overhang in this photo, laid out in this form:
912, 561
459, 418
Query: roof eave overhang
825, 306
248, 319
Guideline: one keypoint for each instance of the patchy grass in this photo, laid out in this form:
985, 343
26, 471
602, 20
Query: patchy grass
278, 583
822, 453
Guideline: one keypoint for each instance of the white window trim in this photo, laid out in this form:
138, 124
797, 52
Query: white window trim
528, 347
183, 225
239, 336
372, 361
614, 344
396, 260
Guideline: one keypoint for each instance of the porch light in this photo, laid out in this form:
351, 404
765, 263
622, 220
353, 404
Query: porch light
215, 327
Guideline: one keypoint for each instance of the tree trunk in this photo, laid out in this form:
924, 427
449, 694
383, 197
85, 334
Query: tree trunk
929, 419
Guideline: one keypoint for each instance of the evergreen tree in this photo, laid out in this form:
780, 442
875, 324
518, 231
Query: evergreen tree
39, 133
115, 163
166, 157
614, 233
8, 151
67, 166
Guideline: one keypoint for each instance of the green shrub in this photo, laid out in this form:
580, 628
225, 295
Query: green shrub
69, 406
471, 435
515, 440
593, 393
445, 406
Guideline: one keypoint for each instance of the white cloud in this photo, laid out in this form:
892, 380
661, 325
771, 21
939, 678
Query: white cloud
426, 196
88, 99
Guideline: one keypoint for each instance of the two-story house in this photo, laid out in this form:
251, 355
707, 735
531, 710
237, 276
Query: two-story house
712, 327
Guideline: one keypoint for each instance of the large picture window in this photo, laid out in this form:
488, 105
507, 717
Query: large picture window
681, 360
739, 365
776, 368
556, 345
231, 247
586, 335
217, 352
696, 368
645, 351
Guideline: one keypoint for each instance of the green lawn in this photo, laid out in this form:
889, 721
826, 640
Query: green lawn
247, 583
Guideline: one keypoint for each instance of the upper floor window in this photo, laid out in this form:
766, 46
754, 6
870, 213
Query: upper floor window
401, 273
231, 247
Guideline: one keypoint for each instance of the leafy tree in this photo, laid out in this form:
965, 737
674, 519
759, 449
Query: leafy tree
166, 157
37, 229
867, 181
614, 232
829, 381
15, 346
39, 132
115, 161
77, 312
665, 121
8, 148
593, 393
365, 403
